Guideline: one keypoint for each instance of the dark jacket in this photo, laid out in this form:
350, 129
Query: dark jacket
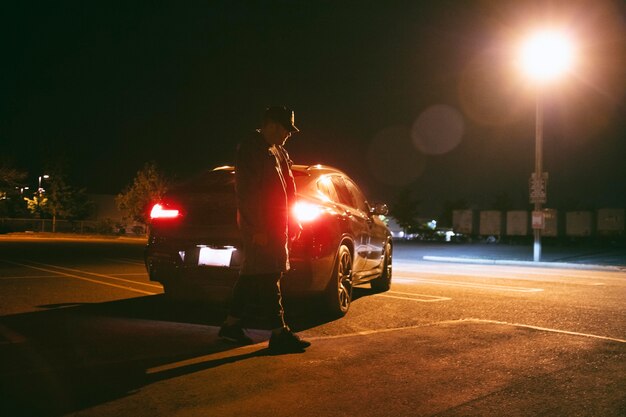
265, 192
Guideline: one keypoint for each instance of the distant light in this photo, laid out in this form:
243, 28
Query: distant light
546, 55
224, 168
432, 224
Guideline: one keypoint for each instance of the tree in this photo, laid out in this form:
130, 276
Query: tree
405, 210
148, 186
65, 201
59, 200
11, 190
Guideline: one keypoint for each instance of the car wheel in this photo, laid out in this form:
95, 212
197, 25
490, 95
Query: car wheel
383, 283
339, 290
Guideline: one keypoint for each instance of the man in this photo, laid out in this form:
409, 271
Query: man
265, 190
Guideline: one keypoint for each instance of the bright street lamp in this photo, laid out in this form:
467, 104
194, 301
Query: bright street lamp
544, 56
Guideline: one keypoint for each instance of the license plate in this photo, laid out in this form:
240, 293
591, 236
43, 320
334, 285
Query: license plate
215, 257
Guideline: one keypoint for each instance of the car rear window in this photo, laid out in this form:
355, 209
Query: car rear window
208, 181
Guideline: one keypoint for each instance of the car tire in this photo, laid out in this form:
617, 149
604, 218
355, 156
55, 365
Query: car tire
338, 294
383, 283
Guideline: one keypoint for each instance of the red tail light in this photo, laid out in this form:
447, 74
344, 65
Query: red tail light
160, 212
306, 212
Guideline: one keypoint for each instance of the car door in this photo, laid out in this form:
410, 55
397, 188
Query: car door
375, 233
358, 225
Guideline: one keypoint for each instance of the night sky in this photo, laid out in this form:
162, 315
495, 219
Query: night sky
424, 95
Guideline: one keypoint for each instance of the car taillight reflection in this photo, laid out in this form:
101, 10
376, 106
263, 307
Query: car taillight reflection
160, 212
306, 212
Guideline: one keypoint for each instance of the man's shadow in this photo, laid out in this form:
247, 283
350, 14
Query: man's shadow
73, 356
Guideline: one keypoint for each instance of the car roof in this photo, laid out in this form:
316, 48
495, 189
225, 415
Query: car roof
311, 170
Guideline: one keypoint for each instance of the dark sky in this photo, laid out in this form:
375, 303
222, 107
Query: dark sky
396, 93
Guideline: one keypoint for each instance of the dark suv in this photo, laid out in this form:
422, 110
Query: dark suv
193, 249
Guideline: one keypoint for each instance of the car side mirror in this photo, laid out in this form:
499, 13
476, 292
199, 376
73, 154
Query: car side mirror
379, 209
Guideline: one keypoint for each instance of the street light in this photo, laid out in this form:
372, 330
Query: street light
22, 189
545, 55
45, 177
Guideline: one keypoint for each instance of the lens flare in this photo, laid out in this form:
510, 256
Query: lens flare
438, 130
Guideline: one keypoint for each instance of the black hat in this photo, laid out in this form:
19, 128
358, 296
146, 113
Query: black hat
282, 115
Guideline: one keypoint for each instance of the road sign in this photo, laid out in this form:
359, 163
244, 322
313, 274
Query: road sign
538, 188
538, 220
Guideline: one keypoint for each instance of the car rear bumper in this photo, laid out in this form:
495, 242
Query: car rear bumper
178, 270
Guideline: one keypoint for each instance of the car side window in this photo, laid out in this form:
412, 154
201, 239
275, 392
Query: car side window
344, 196
325, 186
357, 196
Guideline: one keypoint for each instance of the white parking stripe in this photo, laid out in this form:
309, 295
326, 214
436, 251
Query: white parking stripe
82, 278
494, 287
461, 321
98, 275
29, 277
547, 329
422, 298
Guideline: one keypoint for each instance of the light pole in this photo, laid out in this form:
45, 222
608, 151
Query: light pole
45, 177
545, 55
21, 190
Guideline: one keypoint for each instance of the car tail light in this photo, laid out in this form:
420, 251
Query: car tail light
306, 212
160, 212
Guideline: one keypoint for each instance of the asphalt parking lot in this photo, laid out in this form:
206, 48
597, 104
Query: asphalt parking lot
84, 333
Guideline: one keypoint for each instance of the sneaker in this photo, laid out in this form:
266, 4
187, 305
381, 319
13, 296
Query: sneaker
235, 334
287, 342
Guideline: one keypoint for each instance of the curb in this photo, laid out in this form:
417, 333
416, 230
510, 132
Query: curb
524, 263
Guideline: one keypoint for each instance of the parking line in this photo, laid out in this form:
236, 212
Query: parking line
29, 277
472, 285
547, 329
422, 298
468, 320
83, 278
98, 275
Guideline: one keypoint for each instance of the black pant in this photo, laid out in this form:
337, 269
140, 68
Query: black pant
263, 288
